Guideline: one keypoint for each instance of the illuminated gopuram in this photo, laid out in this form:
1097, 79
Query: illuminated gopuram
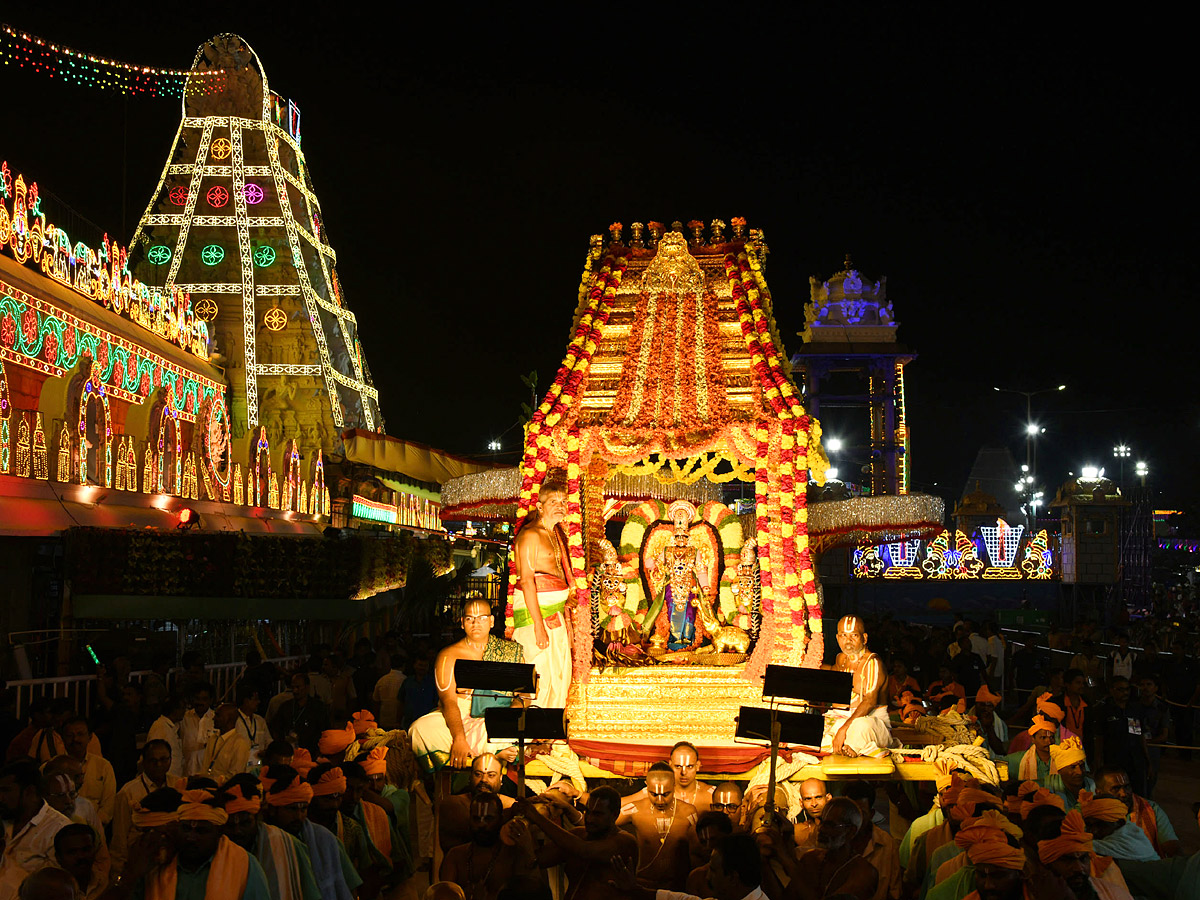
235, 222
850, 358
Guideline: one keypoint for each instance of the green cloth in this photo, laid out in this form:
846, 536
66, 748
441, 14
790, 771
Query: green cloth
1014, 767
931, 819
402, 801
1166, 831
956, 886
522, 618
942, 854
497, 650
359, 849
191, 884
308, 883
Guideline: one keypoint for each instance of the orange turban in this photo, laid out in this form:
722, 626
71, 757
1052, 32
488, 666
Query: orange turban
1105, 809
912, 712
985, 695
1041, 797
1066, 754
196, 808
1041, 723
332, 782
376, 761
363, 721
986, 824
907, 697
145, 818
297, 791
968, 799
181, 783
1053, 710
945, 773
997, 853
302, 762
1073, 839
335, 740
239, 802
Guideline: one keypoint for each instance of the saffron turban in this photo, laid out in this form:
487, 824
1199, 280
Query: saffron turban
238, 801
332, 782
912, 712
145, 818
1041, 723
1027, 789
990, 825
335, 740
1104, 809
376, 761
1067, 753
1046, 707
197, 808
907, 697
1073, 839
363, 721
1041, 797
985, 695
945, 773
302, 762
968, 799
997, 853
297, 791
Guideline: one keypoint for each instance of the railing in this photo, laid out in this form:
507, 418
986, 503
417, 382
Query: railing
80, 690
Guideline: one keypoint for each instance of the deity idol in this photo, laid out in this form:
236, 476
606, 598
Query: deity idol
608, 596
673, 615
746, 589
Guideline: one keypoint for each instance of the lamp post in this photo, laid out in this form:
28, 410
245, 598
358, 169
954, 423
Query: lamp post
1031, 430
1142, 471
1122, 452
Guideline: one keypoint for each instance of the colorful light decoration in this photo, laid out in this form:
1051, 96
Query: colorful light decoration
5, 421
253, 193
372, 511
262, 450
75, 67
159, 255
41, 465
317, 505
291, 463
961, 561
222, 148
206, 308
1002, 541
178, 195
169, 416
22, 459
264, 256
212, 254
94, 390
215, 422
217, 196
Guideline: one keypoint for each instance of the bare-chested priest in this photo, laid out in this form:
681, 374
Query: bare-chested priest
454, 733
454, 816
540, 601
662, 824
864, 729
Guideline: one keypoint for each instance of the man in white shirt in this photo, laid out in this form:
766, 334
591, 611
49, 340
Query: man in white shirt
196, 728
387, 694
250, 724
99, 781
166, 729
228, 753
156, 765
734, 873
30, 824
61, 779
1123, 659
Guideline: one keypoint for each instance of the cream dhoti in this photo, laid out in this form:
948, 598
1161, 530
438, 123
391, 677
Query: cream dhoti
553, 664
868, 735
431, 738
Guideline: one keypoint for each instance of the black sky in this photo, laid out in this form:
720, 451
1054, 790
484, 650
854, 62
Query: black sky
1026, 185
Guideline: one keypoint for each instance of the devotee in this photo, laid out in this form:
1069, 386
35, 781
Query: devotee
196, 728
924, 846
999, 872
685, 761
278, 753
1113, 835
363, 722
50, 883
228, 751
334, 742
1113, 781
1122, 659
945, 684
711, 826
484, 865
991, 726
99, 782
454, 734
288, 798
1048, 709
1069, 856
727, 799
250, 725
284, 858
418, 694
453, 812
946, 782
202, 853
49, 742
1156, 723
24, 744
1177, 877
834, 867
589, 854
60, 789
29, 841
1074, 706
301, 719
865, 730
75, 847
735, 873
386, 694
1034, 763
900, 681
661, 822
1068, 776
1120, 738
874, 844
539, 604
955, 877
972, 803
371, 817
166, 728
328, 786
814, 796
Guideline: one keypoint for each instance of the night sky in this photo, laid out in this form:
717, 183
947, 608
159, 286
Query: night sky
1027, 187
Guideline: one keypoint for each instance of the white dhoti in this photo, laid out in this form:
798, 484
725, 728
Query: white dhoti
553, 664
431, 738
868, 735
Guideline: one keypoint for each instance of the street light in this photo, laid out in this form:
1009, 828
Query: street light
1142, 471
1090, 473
831, 474
1031, 430
1122, 452
833, 445
494, 445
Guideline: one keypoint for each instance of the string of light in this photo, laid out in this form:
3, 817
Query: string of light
75, 67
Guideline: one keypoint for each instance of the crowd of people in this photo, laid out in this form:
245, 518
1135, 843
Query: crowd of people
305, 784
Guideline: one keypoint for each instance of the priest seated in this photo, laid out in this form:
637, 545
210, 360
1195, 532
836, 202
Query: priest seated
864, 729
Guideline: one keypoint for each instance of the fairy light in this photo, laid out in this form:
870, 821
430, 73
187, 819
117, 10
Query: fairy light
5, 419
94, 390
41, 466
85, 69
373, 511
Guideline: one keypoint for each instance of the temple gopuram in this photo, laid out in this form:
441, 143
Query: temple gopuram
182, 419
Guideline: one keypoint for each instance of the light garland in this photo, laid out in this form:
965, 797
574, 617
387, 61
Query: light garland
102, 275
169, 416
22, 459
5, 421
319, 504
262, 448
372, 510
41, 465
75, 67
93, 389
292, 462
